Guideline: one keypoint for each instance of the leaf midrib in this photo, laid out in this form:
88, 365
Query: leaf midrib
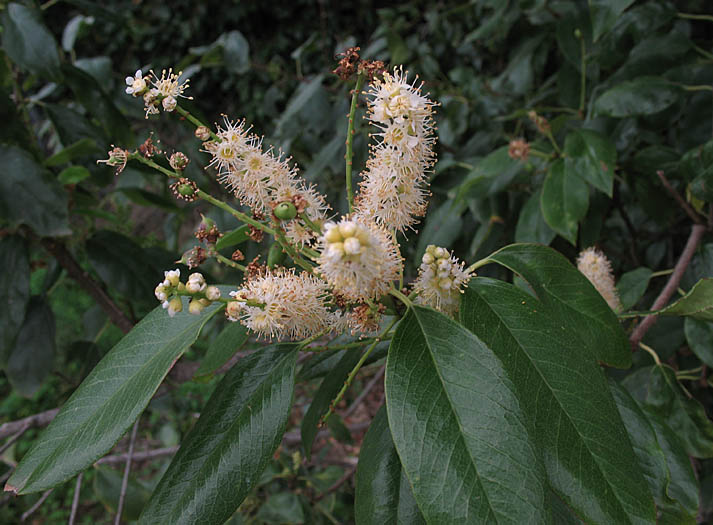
559, 404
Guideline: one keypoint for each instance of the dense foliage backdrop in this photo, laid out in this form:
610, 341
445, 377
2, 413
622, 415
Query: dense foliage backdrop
623, 98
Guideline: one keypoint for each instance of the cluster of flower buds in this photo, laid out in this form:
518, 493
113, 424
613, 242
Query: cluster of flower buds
440, 280
358, 258
157, 91
170, 290
596, 267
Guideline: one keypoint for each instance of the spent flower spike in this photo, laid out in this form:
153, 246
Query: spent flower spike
596, 267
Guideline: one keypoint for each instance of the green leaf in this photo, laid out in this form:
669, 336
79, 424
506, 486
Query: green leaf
302, 96
328, 389
671, 481
221, 459
14, 291
383, 493
565, 395
280, 509
236, 52
73, 175
443, 226
605, 14
632, 286
664, 396
32, 357
109, 400
490, 175
233, 238
591, 156
531, 225
458, 426
78, 149
28, 42
571, 298
699, 336
564, 201
641, 96
107, 487
697, 303
223, 347
30, 195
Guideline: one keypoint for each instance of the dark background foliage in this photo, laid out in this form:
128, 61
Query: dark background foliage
77, 240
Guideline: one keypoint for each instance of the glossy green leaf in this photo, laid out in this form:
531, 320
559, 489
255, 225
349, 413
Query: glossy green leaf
107, 487
30, 195
458, 426
383, 494
109, 400
73, 174
564, 201
234, 237
656, 388
280, 509
632, 286
571, 298
328, 389
697, 303
699, 336
221, 459
531, 225
32, 357
563, 392
28, 42
641, 96
223, 347
14, 291
592, 156
80, 148
299, 100
605, 14
236, 52
490, 175
659, 454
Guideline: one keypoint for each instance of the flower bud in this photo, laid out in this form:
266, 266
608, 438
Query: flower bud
285, 211
332, 234
169, 103
195, 307
202, 133
174, 306
352, 246
232, 310
212, 293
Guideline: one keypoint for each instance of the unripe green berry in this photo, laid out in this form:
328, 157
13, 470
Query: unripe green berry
186, 190
285, 211
275, 256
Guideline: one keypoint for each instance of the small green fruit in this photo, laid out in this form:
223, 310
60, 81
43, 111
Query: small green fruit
285, 211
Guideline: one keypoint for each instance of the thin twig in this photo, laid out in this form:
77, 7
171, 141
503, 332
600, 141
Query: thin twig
671, 286
695, 217
36, 506
138, 456
75, 499
127, 468
92, 287
14, 438
341, 481
38, 420
368, 388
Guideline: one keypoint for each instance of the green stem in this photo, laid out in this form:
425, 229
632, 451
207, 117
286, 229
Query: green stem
355, 370
401, 297
296, 257
229, 262
350, 137
478, 264
583, 74
554, 142
355, 344
314, 227
312, 338
689, 16
197, 123
662, 272
541, 154
652, 352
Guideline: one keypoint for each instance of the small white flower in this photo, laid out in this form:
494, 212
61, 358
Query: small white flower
172, 276
196, 283
169, 103
212, 293
136, 85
